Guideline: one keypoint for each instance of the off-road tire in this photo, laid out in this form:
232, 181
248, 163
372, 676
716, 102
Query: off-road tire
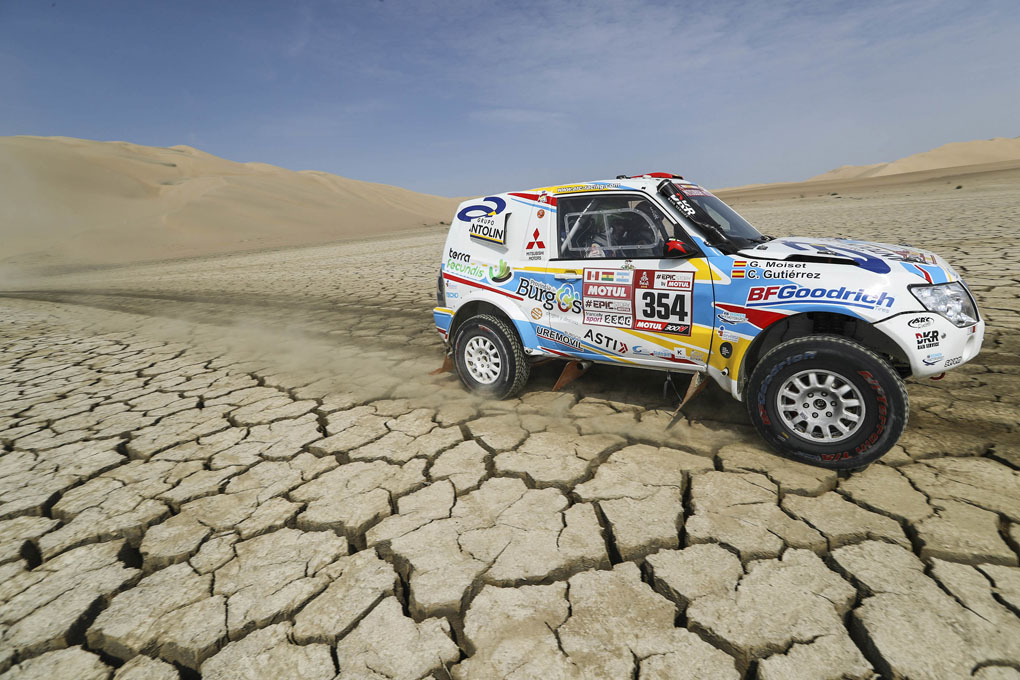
882, 394
514, 368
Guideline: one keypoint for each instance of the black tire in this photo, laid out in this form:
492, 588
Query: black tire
504, 345
847, 436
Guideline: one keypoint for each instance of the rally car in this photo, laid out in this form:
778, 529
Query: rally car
815, 335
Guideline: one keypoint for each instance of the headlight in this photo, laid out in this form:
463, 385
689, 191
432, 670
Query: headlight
951, 300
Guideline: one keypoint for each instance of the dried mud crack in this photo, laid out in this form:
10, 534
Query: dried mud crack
246, 471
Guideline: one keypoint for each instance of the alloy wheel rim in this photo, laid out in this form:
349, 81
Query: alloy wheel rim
820, 406
483, 360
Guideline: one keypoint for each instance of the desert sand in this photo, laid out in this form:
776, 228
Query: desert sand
952, 155
73, 202
239, 465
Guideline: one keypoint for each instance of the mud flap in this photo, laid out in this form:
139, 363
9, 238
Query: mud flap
571, 372
697, 385
447, 366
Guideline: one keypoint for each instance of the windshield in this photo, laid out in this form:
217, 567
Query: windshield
705, 210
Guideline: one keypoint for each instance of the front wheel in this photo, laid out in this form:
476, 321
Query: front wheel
490, 358
827, 401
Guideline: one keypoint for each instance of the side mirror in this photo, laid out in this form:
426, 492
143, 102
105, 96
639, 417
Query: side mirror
676, 249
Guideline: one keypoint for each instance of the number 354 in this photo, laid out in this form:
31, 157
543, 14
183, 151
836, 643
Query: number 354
664, 306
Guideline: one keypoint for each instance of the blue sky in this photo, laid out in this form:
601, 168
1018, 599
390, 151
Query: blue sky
465, 98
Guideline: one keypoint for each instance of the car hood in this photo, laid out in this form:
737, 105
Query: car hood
880, 258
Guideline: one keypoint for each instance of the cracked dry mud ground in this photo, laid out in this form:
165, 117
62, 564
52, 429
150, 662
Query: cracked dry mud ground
240, 468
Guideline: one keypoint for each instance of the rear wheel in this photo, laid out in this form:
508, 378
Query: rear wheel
490, 358
827, 401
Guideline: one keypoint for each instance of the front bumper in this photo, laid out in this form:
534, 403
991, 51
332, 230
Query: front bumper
931, 343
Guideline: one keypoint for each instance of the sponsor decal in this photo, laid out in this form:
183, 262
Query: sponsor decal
908, 255
693, 190
536, 248
608, 319
610, 343
726, 350
639, 349
955, 361
536, 313
559, 337
564, 298
927, 339
492, 206
698, 355
486, 229
921, 322
759, 318
658, 326
567, 300
662, 301
469, 269
459, 256
666, 280
541, 213
536, 241
607, 305
932, 359
732, 317
738, 270
607, 291
574, 188
451, 295
500, 273
608, 297
763, 296
679, 353
726, 334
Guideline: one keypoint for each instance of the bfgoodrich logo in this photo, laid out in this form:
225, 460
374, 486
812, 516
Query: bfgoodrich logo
767, 296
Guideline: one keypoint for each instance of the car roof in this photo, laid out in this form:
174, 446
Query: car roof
646, 182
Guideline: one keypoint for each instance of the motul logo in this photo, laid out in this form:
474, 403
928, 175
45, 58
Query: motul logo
536, 241
603, 291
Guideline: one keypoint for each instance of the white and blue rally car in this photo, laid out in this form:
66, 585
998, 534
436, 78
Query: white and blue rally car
815, 335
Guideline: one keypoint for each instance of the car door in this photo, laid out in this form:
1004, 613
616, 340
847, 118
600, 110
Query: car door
642, 284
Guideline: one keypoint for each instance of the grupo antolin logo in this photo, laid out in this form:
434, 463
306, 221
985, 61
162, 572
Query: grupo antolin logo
483, 224
768, 296
482, 209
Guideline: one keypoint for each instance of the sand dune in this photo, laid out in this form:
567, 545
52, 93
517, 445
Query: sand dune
72, 201
945, 156
980, 175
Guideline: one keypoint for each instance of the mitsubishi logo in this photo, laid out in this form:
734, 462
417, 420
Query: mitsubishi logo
535, 242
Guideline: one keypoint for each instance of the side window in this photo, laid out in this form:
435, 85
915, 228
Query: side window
604, 227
